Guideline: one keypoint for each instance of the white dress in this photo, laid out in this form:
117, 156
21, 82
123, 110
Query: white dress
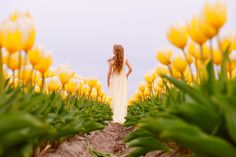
119, 94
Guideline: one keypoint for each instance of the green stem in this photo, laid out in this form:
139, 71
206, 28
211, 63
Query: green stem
182, 76
13, 77
201, 49
43, 82
230, 69
170, 70
31, 76
212, 56
189, 64
219, 43
211, 49
23, 65
196, 66
1, 72
19, 66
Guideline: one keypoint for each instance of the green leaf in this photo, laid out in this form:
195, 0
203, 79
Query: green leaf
227, 105
147, 144
194, 93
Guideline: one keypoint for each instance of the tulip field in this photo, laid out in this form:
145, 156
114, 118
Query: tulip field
41, 105
189, 99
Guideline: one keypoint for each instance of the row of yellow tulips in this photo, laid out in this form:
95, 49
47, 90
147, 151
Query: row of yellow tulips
23, 62
198, 42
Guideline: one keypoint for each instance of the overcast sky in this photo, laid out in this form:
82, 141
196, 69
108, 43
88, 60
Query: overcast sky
82, 32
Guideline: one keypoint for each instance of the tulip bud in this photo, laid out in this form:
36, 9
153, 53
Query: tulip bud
163, 55
178, 36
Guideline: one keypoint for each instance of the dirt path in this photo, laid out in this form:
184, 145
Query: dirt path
108, 140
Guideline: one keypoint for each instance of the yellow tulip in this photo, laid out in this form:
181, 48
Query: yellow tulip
27, 26
228, 41
27, 75
180, 64
35, 54
206, 52
109, 100
141, 86
5, 56
37, 89
194, 50
158, 89
31, 34
150, 77
178, 36
146, 92
100, 93
12, 36
206, 29
161, 70
159, 82
92, 82
72, 86
195, 32
217, 57
13, 61
37, 79
163, 55
176, 74
93, 94
98, 86
1, 32
189, 58
234, 74
64, 95
65, 73
45, 62
234, 41
51, 72
187, 76
53, 83
85, 90
215, 14
6, 74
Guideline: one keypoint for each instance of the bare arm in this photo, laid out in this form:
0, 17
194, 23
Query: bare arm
129, 68
109, 74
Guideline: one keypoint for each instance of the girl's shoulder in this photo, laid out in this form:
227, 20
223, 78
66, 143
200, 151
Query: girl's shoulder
111, 60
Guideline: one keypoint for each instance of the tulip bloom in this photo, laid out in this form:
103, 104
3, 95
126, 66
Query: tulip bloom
217, 59
215, 14
65, 73
195, 32
163, 55
35, 54
45, 62
180, 64
92, 82
53, 83
206, 29
178, 36
72, 86
161, 70
150, 77
12, 36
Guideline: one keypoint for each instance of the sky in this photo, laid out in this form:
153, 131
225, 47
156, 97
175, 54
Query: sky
82, 32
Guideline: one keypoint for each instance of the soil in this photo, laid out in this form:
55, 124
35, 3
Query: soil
107, 141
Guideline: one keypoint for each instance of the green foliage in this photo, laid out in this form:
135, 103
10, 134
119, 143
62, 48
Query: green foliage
204, 119
28, 120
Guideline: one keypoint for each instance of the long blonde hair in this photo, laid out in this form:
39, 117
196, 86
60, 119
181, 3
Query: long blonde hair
118, 58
